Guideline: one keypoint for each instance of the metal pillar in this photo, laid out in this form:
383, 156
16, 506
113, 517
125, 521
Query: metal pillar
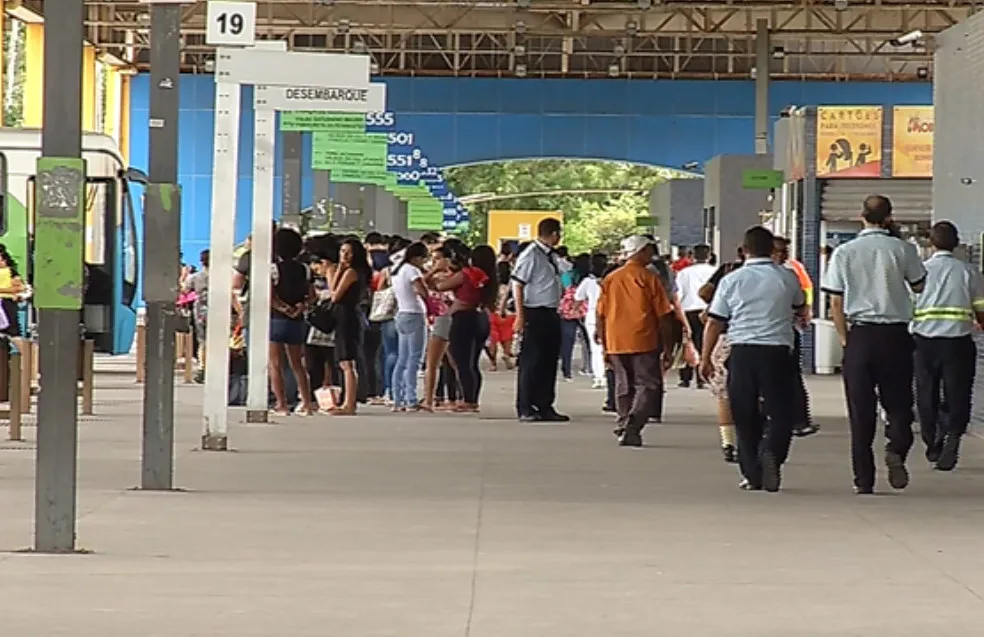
385, 215
401, 227
370, 202
162, 240
322, 197
763, 60
59, 248
293, 172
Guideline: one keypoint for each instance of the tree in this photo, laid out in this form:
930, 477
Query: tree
593, 221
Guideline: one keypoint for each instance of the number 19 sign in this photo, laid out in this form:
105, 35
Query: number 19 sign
231, 23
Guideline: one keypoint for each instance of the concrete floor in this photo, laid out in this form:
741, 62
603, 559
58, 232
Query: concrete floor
426, 526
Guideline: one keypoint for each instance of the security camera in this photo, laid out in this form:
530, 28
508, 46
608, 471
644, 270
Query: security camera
912, 37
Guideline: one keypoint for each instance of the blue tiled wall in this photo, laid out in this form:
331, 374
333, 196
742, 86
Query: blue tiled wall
461, 121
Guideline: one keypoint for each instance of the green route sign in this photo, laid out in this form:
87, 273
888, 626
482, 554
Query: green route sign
757, 179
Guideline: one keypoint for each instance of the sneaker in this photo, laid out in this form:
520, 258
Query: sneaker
898, 475
630, 439
746, 485
599, 384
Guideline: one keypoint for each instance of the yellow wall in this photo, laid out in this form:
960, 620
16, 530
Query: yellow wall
33, 75
34, 80
124, 132
519, 225
89, 123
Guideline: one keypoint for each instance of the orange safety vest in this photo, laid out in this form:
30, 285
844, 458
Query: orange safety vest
805, 282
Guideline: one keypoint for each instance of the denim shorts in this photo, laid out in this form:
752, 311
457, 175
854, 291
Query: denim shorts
287, 331
442, 327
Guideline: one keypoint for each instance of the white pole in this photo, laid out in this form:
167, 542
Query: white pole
224, 183
259, 275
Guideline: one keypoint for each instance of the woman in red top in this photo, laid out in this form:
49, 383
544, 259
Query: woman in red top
475, 289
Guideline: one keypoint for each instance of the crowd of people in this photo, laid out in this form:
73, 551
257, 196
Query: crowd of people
402, 323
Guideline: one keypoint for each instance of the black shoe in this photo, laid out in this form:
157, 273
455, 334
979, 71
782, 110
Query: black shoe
684, 384
529, 418
747, 485
950, 454
806, 430
701, 385
730, 453
863, 490
933, 452
618, 431
553, 416
898, 475
630, 439
656, 419
771, 474
608, 409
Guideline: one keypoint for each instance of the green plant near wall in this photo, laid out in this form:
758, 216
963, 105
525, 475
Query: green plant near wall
593, 222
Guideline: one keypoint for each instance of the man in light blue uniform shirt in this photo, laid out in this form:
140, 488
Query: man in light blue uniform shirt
758, 302
868, 280
946, 357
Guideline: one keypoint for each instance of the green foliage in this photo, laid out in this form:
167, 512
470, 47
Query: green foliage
592, 221
14, 39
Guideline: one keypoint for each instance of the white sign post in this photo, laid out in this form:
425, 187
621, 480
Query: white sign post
235, 67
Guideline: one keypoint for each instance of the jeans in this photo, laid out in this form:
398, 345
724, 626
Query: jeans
412, 334
388, 352
568, 338
469, 331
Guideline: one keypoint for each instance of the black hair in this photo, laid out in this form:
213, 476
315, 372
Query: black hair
399, 243
503, 272
759, 242
599, 263
483, 258
563, 252
582, 265
287, 244
374, 238
877, 210
360, 258
204, 256
702, 252
547, 227
944, 236
416, 250
430, 237
505, 249
521, 247
325, 248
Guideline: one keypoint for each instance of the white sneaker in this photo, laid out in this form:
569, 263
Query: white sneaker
599, 384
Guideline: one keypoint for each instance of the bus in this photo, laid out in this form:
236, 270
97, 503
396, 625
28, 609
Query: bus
112, 265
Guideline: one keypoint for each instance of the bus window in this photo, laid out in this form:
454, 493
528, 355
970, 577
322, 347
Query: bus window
128, 243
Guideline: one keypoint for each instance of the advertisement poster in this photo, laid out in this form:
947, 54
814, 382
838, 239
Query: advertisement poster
912, 141
849, 141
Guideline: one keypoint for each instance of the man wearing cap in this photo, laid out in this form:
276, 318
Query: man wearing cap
758, 303
868, 280
537, 291
633, 319
946, 357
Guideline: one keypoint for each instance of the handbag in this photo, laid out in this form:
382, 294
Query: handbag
323, 317
383, 306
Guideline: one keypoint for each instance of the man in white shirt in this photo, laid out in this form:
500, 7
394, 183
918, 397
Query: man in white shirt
689, 281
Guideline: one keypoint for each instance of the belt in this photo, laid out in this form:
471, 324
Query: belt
874, 324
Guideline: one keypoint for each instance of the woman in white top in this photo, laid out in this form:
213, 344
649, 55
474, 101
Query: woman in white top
411, 327
588, 291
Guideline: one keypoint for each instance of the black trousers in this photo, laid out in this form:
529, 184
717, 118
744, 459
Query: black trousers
469, 332
944, 366
687, 373
761, 376
877, 367
536, 388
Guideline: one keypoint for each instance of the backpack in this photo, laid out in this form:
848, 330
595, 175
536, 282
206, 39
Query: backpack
570, 309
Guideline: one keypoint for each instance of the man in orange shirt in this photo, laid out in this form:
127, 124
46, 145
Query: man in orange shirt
633, 320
